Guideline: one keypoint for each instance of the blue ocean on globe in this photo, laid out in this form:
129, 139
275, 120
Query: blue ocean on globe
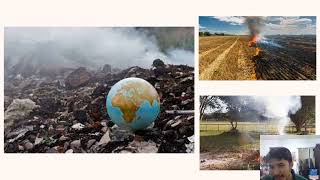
133, 103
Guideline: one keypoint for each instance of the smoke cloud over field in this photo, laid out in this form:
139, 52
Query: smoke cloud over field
255, 24
272, 107
92, 47
279, 107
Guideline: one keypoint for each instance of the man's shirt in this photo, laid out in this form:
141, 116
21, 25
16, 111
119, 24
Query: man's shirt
294, 177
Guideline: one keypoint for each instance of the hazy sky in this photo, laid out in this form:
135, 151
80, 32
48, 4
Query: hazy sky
120, 47
292, 25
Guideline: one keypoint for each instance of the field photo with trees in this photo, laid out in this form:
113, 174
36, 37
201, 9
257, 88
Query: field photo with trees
230, 127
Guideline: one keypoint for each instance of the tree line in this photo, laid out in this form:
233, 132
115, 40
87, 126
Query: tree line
207, 33
303, 118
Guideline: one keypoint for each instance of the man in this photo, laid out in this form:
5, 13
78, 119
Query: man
280, 162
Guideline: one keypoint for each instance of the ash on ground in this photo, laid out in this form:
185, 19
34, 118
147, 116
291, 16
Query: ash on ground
65, 111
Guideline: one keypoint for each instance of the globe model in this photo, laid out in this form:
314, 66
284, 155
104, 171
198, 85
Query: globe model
133, 103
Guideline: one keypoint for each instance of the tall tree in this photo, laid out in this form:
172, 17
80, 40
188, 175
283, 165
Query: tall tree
306, 115
234, 105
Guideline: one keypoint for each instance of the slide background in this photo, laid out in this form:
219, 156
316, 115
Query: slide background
144, 13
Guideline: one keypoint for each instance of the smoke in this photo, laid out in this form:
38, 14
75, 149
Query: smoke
255, 24
89, 46
279, 107
269, 42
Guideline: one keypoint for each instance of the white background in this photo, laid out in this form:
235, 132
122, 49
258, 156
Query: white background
292, 142
143, 13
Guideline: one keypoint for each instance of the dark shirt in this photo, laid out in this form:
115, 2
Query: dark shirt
294, 177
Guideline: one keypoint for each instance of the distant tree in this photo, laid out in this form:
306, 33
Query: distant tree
201, 34
219, 34
233, 116
206, 33
306, 115
234, 106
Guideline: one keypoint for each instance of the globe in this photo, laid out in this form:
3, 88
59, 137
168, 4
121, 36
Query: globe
133, 103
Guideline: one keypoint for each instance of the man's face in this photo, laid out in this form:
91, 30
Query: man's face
280, 169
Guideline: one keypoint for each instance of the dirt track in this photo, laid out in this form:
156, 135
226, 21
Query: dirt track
229, 60
214, 66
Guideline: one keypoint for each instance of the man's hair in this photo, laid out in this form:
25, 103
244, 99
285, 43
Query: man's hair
279, 153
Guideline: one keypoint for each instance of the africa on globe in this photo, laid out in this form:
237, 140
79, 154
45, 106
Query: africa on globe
133, 103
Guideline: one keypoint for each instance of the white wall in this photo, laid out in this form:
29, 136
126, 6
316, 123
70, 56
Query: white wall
291, 142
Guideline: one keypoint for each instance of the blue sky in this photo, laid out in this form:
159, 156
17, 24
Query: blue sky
271, 25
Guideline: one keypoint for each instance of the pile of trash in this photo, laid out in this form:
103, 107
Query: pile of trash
67, 113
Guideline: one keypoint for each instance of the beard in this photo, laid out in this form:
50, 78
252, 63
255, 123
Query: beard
280, 177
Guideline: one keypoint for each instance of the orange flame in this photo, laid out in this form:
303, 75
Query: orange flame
258, 158
254, 39
258, 50
253, 43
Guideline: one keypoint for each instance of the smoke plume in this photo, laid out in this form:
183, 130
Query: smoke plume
279, 107
276, 108
255, 24
93, 47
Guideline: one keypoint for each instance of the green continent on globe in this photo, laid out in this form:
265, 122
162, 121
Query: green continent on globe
130, 97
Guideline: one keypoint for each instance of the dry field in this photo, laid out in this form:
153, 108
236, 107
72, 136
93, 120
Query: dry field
226, 58
231, 58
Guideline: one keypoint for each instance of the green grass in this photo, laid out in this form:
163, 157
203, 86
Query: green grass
215, 142
214, 136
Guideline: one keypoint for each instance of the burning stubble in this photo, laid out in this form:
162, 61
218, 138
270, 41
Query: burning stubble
255, 25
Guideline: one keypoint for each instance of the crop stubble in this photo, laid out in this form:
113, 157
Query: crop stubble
230, 58
228, 61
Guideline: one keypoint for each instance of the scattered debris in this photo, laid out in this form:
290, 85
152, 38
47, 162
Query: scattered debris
78, 126
105, 139
18, 110
78, 78
67, 113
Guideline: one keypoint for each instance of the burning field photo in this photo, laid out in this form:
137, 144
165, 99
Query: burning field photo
99, 90
230, 127
257, 48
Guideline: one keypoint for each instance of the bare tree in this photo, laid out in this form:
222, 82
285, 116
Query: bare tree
233, 119
204, 102
234, 105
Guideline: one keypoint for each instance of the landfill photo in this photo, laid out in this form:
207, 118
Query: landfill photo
99, 90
